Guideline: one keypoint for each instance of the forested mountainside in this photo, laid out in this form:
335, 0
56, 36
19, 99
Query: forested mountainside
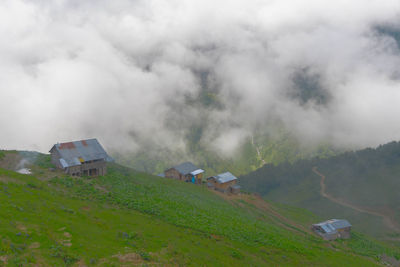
361, 186
256, 151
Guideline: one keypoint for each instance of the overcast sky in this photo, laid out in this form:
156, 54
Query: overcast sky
131, 72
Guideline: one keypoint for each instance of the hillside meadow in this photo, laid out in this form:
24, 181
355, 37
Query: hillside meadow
128, 218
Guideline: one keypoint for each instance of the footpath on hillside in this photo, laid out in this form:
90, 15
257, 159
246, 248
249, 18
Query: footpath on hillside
262, 206
387, 220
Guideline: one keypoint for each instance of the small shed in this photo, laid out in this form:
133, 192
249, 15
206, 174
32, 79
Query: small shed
333, 229
77, 158
186, 171
224, 182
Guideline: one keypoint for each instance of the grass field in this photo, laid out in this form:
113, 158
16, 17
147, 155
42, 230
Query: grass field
129, 218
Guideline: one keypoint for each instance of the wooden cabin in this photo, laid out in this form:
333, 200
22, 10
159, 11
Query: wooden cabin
333, 229
80, 158
224, 182
186, 171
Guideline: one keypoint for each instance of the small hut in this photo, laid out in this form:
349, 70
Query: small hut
333, 229
224, 182
186, 171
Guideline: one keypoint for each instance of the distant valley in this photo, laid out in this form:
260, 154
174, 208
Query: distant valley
361, 186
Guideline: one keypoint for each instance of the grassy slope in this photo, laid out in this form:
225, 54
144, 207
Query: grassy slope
366, 178
145, 219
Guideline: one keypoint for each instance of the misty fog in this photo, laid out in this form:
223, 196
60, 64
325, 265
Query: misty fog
136, 73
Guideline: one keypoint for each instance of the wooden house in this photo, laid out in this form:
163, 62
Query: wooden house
224, 182
186, 171
80, 158
333, 229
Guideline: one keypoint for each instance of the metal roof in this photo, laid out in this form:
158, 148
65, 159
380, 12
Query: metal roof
339, 224
77, 152
197, 172
333, 225
328, 228
185, 168
225, 177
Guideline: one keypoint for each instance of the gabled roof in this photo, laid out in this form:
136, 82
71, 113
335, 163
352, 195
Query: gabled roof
333, 225
225, 177
185, 168
77, 152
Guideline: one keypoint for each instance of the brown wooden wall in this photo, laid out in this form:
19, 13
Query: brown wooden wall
345, 232
97, 168
174, 174
221, 187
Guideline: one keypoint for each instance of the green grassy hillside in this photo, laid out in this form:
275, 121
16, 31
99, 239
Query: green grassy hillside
130, 218
364, 186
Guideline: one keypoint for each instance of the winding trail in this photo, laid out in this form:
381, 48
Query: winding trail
387, 219
261, 205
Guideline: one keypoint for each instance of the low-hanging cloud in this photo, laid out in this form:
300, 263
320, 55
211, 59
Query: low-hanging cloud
138, 73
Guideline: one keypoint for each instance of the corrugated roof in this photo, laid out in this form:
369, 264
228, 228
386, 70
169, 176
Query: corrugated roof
328, 228
333, 225
197, 172
225, 177
74, 153
339, 224
185, 168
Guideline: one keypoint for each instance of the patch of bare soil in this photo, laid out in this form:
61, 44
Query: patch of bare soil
387, 219
80, 263
3, 260
34, 245
86, 208
67, 243
390, 260
131, 258
21, 227
68, 235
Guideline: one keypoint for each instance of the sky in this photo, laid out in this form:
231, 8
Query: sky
138, 73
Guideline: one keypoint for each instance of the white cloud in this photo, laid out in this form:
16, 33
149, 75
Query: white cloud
124, 71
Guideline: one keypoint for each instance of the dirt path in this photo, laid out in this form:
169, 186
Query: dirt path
262, 206
258, 152
387, 220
